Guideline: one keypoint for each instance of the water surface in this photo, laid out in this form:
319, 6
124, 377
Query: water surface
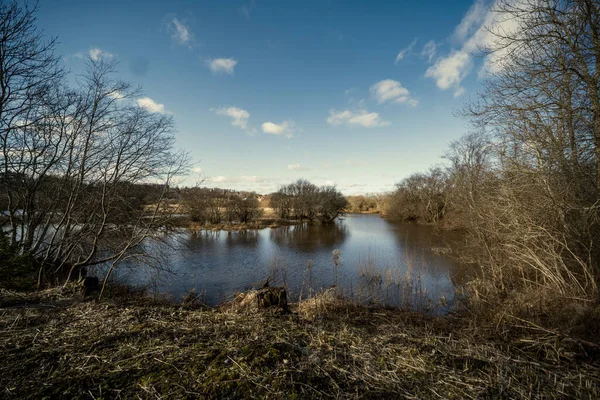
380, 261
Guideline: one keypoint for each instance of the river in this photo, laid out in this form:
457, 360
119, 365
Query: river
379, 262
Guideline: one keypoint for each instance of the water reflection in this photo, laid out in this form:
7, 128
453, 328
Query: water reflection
243, 238
308, 237
380, 262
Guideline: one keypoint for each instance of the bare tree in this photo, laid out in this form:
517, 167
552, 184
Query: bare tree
72, 157
306, 201
29, 74
541, 106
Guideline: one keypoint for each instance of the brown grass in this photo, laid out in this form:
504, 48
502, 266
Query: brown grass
130, 347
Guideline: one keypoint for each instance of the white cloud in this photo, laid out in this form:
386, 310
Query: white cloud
180, 32
96, 54
116, 95
429, 50
222, 65
277, 129
450, 71
323, 182
293, 166
477, 31
405, 51
251, 178
489, 36
471, 21
243, 179
392, 91
238, 116
360, 118
217, 179
151, 105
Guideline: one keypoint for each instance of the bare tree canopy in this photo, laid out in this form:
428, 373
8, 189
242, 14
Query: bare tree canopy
72, 156
525, 184
306, 201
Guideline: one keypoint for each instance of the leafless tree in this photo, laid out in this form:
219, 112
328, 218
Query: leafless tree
305, 201
537, 208
72, 157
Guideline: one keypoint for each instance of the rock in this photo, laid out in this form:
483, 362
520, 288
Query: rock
272, 297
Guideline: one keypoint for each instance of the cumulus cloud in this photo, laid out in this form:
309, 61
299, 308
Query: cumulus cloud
360, 118
389, 90
222, 65
477, 31
450, 71
180, 32
239, 117
405, 51
97, 54
151, 105
277, 129
293, 166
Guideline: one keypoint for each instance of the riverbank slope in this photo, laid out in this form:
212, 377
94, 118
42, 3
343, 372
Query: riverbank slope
56, 344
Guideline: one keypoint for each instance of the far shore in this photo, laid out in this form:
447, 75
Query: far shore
237, 226
268, 220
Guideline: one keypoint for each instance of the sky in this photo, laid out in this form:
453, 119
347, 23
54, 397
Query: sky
358, 94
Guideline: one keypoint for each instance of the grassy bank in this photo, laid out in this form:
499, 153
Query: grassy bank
58, 345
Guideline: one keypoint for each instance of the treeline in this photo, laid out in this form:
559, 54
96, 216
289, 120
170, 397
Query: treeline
369, 203
525, 185
217, 206
303, 200
423, 198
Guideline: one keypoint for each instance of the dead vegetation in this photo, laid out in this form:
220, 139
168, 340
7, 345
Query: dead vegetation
57, 345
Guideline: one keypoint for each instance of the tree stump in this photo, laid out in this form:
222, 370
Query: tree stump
90, 285
272, 297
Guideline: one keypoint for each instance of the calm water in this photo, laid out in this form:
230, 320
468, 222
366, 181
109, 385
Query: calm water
380, 262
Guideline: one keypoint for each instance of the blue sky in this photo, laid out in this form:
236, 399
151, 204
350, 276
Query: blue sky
354, 93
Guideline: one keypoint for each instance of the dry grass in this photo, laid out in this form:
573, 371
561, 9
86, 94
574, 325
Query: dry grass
397, 284
328, 348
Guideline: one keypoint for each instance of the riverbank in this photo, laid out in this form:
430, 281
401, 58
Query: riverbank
261, 223
268, 219
56, 344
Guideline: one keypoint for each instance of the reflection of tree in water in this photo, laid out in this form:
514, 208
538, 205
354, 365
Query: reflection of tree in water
201, 240
247, 238
416, 238
212, 239
310, 236
433, 252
